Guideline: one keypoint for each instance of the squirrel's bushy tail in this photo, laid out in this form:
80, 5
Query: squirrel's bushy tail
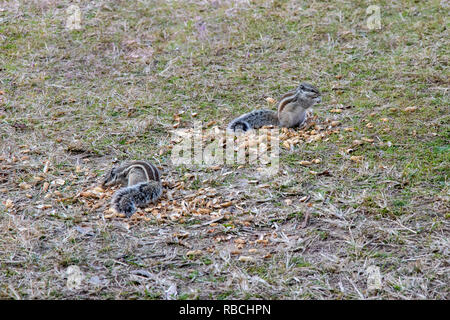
254, 120
239, 125
126, 200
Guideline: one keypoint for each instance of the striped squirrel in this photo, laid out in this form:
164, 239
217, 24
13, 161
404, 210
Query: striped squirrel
292, 110
143, 186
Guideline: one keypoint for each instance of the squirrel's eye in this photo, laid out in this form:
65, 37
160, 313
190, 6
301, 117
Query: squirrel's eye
110, 176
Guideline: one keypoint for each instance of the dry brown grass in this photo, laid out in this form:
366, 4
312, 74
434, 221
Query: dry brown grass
74, 102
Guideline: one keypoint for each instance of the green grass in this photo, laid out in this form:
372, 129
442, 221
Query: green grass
109, 92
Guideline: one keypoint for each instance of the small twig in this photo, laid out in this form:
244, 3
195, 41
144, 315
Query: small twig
264, 200
207, 223
169, 64
13, 262
356, 289
305, 222
179, 242
16, 295
401, 225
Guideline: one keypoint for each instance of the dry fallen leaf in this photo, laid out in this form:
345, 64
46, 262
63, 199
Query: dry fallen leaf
43, 206
305, 163
98, 189
410, 109
46, 166
59, 182
194, 253
212, 122
204, 211
8, 203
335, 123
246, 259
286, 144
226, 204
356, 158
262, 241
24, 186
271, 100
45, 187
90, 194
303, 199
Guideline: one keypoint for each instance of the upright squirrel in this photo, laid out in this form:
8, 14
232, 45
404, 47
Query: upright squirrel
143, 186
291, 112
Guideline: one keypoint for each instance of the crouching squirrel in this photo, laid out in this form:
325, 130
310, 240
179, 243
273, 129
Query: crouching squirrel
291, 111
143, 186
